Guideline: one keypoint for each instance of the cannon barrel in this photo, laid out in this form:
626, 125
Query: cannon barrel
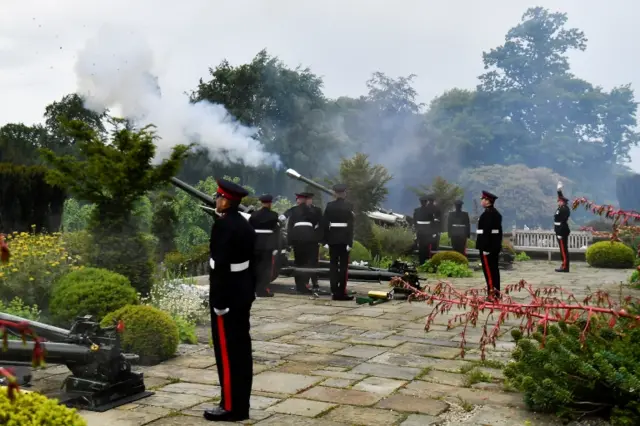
47, 331
292, 173
56, 353
206, 199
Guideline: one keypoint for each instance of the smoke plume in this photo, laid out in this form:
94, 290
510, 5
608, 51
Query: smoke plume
115, 70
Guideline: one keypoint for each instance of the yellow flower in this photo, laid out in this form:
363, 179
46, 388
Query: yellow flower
31, 278
14, 270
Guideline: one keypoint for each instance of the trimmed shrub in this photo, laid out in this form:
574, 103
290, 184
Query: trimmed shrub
148, 332
90, 291
33, 409
359, 253
452, 256
610, 254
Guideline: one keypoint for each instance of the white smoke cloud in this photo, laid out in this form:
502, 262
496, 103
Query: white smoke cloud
115, 70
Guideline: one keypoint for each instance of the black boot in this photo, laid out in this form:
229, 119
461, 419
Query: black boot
266, 293
343, 297
218, 414
562, 270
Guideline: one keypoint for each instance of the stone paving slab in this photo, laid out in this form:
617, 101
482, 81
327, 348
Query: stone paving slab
320, 362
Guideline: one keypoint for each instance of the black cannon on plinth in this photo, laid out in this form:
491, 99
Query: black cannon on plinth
101, 375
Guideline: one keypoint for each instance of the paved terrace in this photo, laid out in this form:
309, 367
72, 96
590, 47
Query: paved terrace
319, 362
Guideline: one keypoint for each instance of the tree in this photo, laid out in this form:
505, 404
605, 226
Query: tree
114, 174
367, 189
163, 223
19, 144
526, 196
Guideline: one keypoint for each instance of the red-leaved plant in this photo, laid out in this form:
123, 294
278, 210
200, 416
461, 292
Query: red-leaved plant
545, 305
22, 328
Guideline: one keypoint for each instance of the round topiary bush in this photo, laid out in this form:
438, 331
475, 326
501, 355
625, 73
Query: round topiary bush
452, 256
148, 332
90, 291
359, 253
610, 254
33, 409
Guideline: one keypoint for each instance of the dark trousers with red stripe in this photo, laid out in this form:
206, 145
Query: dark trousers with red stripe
491, 272
564, 251
425, 246
232, 346
459, 244
338, 268
265, 263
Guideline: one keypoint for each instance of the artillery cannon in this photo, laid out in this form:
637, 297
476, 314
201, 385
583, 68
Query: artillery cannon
209, 203
382, 216
101, 376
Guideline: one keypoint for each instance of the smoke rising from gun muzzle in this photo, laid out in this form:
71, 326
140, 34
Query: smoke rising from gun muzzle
115, 69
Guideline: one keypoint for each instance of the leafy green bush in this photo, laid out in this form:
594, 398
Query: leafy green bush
129, 255
180, 262
33, 409
452, 256
17, 307
78, 245
186, 330
359, 253
448, 268
633, 279
149, 332
522, 256
179, 297
610, 254
570, 378
391, 242
90, 291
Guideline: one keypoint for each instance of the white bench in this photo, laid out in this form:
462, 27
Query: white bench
546, 241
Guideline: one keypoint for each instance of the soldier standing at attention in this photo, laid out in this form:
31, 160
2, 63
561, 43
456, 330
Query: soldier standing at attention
437, 221
338, 238
231, 294
561, 228
319, 231
489, 243
459, 228
426, 228
301, 232
267, 226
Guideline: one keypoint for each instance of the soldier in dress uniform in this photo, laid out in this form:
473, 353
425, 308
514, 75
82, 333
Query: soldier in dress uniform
231, 294
489, 243
319, 231
561, 228
338, 238
267, 226
459, 228
426, 227
301, 232
437, 221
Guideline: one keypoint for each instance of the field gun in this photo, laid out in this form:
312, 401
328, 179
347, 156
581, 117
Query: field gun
381, 216
101, 375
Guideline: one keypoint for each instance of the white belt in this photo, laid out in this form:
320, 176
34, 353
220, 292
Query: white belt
557, 223
264, 231
437, 220
422, 222
458, 225
337, 225
303, 224
493, 231
234, 267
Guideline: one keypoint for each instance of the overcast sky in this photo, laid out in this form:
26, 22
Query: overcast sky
343, 41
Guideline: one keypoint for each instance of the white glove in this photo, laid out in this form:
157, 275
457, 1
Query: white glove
220, 312
348, 249
282, 218
326, 246
559, 185
274, 252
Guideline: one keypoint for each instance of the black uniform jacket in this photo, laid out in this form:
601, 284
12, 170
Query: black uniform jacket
489, 237
232, 276
319, 230
560, 225
338, 223
301, 227
424, 219
458, 225
267, 226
